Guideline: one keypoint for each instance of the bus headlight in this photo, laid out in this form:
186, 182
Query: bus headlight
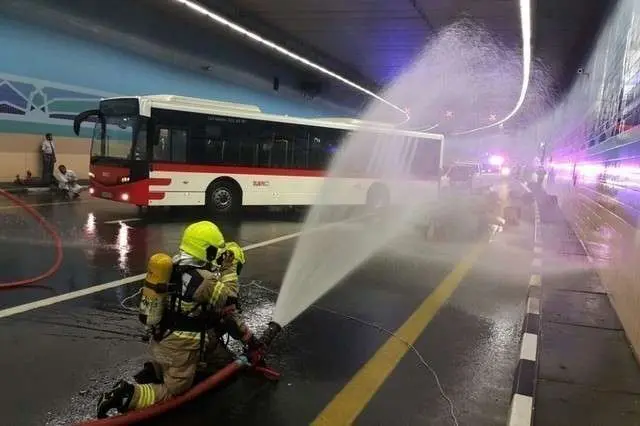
91, 175
92, 190
125, 179
124, 196
505, 171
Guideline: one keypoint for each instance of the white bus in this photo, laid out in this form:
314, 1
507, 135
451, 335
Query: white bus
166, 150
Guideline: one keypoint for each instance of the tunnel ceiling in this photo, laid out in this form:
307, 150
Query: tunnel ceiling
378, 38
368, 41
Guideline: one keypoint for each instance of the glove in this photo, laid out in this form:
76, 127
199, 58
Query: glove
256, 350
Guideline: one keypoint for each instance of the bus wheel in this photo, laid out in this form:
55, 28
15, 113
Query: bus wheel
377, 196
222, 197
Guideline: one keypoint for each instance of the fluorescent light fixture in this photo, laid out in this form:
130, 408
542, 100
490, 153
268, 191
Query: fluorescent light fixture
525, 21
426, 129
271, 45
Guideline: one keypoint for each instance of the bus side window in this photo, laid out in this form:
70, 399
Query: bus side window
281, 145
247, 136
273, 145
324, 144
278, 157
316, 152
299, 150
214, 145
178, 145
318, 144
171, 146
162, 150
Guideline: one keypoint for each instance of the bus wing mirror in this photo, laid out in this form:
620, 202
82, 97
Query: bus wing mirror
82, 117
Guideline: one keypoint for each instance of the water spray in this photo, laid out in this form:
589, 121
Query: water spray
525, 22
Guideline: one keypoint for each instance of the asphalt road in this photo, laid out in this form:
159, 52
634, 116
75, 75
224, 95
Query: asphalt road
57, 358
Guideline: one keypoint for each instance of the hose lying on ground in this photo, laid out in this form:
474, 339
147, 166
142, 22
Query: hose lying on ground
49, 229
206, 385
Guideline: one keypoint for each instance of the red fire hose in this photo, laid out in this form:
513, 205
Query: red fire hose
47, 227
207, 385
147, 413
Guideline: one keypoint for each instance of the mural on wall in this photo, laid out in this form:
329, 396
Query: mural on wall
30, 105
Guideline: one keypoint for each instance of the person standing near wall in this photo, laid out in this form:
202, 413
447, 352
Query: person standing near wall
48, 151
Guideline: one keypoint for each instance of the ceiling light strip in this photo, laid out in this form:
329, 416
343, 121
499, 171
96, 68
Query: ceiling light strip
255, 37
525, 20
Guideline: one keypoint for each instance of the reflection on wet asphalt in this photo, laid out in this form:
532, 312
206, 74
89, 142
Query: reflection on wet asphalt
60, 357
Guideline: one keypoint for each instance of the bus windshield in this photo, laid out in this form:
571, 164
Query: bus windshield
114, 137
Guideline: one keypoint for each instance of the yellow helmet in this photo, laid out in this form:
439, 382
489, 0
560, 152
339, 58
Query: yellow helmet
238, 253
202, 240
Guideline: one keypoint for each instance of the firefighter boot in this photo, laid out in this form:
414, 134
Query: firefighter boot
119, 398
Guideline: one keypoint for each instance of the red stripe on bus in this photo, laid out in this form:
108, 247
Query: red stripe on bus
175, 167
159, 181
156, 195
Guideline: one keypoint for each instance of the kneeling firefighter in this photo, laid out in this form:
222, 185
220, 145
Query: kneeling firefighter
186, 303
217, 354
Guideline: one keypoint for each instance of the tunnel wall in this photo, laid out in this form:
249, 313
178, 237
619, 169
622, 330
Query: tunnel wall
47, 77
606, 220
596, 164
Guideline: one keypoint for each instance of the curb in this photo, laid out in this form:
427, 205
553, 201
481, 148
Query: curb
524, 384
33, 190
19, 190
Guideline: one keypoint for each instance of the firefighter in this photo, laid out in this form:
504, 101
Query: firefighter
193, 304
217, 354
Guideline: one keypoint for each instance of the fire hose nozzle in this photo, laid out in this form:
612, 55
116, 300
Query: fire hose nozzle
273, 329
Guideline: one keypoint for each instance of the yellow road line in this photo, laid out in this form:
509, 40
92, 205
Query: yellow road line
354, 397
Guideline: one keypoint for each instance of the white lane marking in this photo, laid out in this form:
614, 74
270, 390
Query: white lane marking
536, 263
533, 306
529, 346
117, 283
537, 250
68, 296
131, 219
535, 280
271, 241
521, 410
526, 188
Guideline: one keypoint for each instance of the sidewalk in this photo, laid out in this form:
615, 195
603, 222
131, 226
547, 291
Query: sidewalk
588, 375
14, 188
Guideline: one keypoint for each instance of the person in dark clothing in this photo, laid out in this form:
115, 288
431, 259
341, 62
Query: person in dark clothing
48, 151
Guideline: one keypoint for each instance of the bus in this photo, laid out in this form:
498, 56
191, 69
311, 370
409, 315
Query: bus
167, 150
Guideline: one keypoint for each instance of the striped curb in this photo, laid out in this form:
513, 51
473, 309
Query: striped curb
523, 392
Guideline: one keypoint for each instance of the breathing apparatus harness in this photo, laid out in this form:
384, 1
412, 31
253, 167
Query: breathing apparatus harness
169, 287
167, 303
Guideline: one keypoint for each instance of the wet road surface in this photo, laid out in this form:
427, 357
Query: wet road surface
57, 358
